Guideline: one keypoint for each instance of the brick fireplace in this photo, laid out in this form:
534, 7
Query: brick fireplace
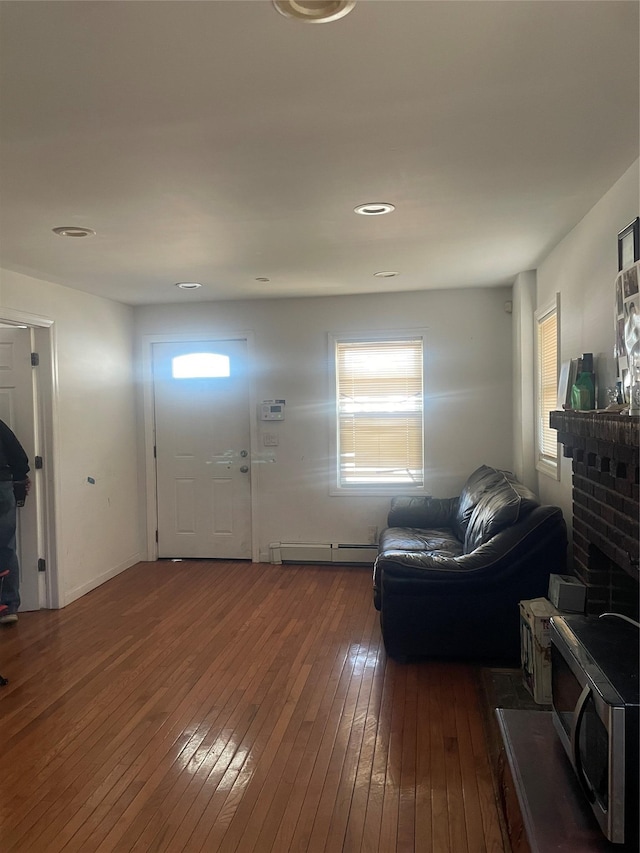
606, 530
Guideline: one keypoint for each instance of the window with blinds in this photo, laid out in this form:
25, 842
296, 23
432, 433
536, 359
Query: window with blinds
379, 413
547, 387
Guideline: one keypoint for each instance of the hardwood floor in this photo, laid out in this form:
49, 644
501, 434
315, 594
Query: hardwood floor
220, 706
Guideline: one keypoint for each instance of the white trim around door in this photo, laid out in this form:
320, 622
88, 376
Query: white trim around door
147, 342
47, 490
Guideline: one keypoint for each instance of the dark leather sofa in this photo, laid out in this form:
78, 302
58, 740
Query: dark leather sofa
450, 571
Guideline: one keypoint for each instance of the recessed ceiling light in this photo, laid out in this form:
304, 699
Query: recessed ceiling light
374, 208
188, 285
73, 231
314, 11
386, 274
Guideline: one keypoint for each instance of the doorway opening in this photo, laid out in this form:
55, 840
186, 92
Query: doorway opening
27, 401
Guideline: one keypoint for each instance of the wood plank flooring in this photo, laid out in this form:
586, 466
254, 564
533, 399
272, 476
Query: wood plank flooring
222, 706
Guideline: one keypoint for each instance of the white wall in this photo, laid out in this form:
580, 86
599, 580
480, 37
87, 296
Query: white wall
468, 396
98, 525
583, 269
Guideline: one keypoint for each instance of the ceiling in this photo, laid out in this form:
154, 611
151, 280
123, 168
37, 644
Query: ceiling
219, 142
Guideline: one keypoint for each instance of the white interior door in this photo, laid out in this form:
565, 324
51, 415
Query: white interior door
17, 411
203, 464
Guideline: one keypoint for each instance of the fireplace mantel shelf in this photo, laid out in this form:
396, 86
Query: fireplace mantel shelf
602, 426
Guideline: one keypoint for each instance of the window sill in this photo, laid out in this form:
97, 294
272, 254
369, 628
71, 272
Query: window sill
376, 491
548, 468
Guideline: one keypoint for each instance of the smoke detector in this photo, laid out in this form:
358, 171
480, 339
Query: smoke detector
314, 11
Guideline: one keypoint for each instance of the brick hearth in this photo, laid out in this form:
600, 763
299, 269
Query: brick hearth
606, 509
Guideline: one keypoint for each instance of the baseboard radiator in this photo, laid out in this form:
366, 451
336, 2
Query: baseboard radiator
305, 552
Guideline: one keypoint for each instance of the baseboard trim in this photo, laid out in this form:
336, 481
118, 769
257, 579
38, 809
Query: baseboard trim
94, 583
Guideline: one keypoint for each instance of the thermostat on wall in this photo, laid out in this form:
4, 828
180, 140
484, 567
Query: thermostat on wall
272, 410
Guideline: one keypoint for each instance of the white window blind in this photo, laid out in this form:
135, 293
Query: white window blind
547, 385
379, 412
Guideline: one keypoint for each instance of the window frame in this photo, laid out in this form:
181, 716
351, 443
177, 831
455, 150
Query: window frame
545, 464
374, 489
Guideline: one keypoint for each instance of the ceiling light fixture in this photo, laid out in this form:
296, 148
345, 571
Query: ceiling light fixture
386, 274
73, 231
188, 285
314, 11
374, 208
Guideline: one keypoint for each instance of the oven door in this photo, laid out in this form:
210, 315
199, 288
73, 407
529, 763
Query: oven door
597, 746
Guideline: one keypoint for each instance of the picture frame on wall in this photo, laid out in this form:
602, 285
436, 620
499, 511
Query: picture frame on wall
629, 244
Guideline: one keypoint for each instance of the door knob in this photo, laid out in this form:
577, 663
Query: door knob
244, 469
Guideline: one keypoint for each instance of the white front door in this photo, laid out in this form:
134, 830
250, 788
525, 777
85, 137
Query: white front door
203, 465
17, 411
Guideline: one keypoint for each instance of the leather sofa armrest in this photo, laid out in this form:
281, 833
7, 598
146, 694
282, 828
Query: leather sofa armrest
543, 528
422, 512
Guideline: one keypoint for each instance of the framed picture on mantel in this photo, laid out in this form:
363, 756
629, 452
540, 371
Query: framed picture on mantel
627, 327
629, 244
